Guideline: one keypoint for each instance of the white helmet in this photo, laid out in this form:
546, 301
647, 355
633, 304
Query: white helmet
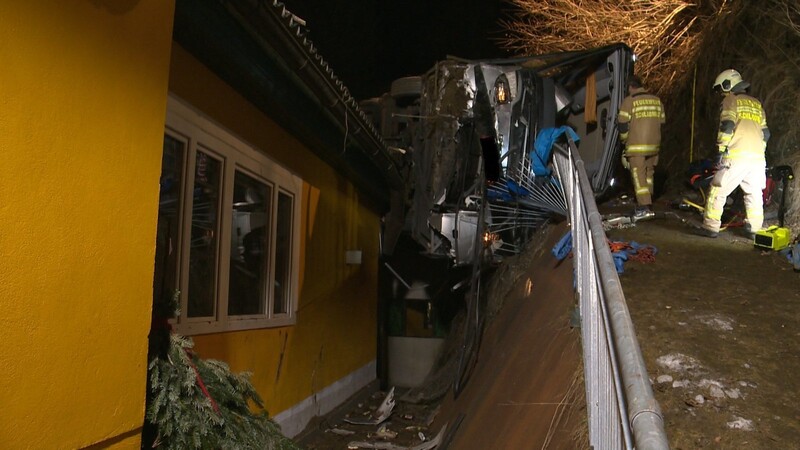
727, 80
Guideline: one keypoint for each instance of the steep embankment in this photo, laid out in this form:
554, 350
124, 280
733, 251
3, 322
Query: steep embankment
527, 388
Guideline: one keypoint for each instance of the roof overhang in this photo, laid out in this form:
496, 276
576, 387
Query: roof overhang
260, 49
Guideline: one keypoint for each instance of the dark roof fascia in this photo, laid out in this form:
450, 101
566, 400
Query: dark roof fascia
259, 49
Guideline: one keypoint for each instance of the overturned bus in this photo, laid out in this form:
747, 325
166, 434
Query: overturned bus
474, 139
475, 136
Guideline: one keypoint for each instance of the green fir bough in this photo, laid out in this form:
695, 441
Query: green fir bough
200, 404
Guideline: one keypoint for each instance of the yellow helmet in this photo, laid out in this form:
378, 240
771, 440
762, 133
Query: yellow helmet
727, 79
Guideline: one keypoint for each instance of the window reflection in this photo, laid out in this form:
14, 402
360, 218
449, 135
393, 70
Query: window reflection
167, 232
249, 265
283, 252
204, 243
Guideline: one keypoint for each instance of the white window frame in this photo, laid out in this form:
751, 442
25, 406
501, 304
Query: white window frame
197, 131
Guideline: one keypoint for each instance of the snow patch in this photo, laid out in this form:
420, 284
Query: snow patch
704, 383
718, 390
741, 424
677, 362
733, 393
717, 322
681, 384
664, 379
715, 388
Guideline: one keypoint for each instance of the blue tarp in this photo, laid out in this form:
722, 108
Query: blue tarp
543, 146
563, 247
514, 191
793, 255
619, 260
621, 256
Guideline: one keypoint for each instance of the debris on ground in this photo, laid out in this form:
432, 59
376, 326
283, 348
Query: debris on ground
622, 251
381, 414
617, 222
424, 445
341, 432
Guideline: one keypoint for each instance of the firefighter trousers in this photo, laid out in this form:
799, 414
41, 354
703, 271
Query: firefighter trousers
751, 176
642, 168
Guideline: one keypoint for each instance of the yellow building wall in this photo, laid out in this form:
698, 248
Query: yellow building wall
83, 90
335, 333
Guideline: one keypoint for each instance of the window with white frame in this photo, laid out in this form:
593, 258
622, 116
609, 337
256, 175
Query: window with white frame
228, 229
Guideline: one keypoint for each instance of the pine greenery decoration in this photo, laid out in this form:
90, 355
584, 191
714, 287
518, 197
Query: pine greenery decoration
200, 404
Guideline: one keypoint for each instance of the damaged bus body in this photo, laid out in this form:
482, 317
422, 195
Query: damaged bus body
473, 138
468, 132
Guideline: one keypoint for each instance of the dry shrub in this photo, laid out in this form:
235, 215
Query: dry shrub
662, 33
681, 46
762, 41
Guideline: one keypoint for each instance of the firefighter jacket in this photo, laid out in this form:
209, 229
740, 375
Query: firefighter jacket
743, 131
640, 118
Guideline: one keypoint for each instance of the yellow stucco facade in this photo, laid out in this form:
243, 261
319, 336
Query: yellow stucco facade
335, 333
83, 91
83, 94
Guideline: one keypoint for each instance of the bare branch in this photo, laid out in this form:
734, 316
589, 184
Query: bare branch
661, 32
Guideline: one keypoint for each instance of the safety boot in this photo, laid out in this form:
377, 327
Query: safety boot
643, 213
705, 232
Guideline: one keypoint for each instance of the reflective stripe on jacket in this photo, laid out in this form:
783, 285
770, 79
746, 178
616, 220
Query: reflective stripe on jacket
644, 113
741, 130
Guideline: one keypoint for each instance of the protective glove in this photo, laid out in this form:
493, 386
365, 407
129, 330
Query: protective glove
720, 155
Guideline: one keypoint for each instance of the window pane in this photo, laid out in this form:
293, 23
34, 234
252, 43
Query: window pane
167, 233
283, 254
247, 292
205, 226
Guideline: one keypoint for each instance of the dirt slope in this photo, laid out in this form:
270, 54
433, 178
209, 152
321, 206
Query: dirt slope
527, 391
719, 326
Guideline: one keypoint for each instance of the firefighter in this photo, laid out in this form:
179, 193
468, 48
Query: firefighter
639, 121
741, 143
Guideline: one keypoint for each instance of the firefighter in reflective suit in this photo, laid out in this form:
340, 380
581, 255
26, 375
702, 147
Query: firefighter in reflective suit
639, 121
741, 141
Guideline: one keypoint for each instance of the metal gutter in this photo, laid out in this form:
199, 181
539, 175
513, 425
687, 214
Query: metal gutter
260, 17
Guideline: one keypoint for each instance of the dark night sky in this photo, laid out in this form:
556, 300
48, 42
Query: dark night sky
369, 43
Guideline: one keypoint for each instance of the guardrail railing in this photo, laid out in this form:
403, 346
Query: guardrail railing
623, 412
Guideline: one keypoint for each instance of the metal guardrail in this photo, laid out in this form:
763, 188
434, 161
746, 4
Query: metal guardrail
623, 412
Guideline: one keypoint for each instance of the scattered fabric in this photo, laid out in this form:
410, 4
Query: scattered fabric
622, 251
563, 247
619, 260
793, 255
